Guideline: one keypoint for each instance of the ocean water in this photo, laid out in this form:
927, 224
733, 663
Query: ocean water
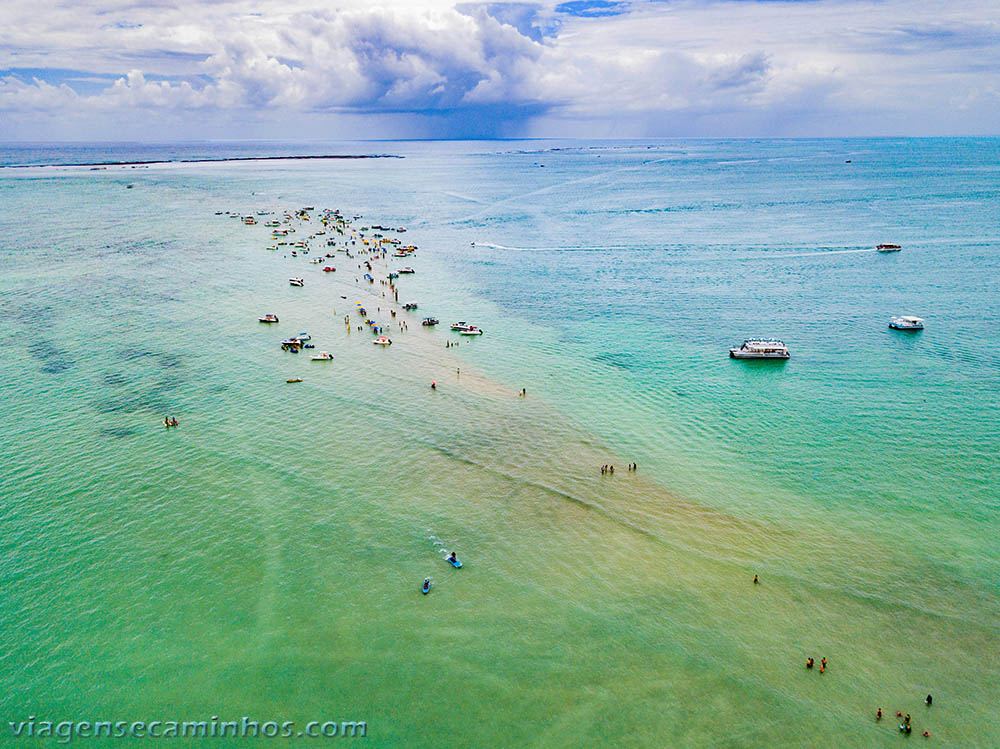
264, 558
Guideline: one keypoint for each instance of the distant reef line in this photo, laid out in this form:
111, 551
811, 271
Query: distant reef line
204, 161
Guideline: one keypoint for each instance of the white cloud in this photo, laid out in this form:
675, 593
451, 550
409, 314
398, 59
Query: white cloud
661, 68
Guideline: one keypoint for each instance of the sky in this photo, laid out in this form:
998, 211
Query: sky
318, 69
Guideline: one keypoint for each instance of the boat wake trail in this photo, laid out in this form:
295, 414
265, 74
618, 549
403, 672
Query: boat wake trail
814, 253
606, 248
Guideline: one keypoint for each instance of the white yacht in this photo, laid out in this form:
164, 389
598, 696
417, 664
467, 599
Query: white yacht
907, 322
296, 281
760, 348
322, 356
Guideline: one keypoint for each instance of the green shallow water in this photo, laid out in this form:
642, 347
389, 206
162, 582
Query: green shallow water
264, 558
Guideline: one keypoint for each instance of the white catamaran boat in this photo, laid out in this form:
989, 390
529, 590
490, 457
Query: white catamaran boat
760, 348
907, 322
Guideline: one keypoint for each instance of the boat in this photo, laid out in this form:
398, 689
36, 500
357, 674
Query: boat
888, 248
328, 269
430, 321
907, 322
268, 318
382, 340
322, 356
296, 282
294, 379
760, 348
410, 305
304, 337
316, 260
465, 329
407, 269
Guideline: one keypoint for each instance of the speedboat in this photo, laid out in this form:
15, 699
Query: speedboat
760, 348
430, 321
382, 340
304, 337
294, 379
460, 326
407, 269
268, 318
888, 248
296, 282
907, 322
410, 305
322, 356
471, 330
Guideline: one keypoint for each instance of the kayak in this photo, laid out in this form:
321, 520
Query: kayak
453, 562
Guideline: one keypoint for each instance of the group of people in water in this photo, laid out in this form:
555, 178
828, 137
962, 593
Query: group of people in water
609, 468
170, 421
905, 726
809, 661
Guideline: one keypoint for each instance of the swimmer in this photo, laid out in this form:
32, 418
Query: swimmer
434, 385
906, 719
810, 662
756, 580
452, 558
925, 735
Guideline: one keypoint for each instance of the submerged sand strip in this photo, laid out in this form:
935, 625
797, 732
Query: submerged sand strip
206, 160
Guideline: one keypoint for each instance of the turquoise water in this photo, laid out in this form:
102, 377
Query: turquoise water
264, 558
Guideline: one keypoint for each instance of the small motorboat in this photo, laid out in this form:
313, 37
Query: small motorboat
471, 330
304, 337
760, 348
268, 318
382, 340
460, 326
907, 322
407, 269
426, 587
294, 379
329, 269
296, 282
316, 260
429, 321
322, 356
410, 305
308, 345
888, 248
